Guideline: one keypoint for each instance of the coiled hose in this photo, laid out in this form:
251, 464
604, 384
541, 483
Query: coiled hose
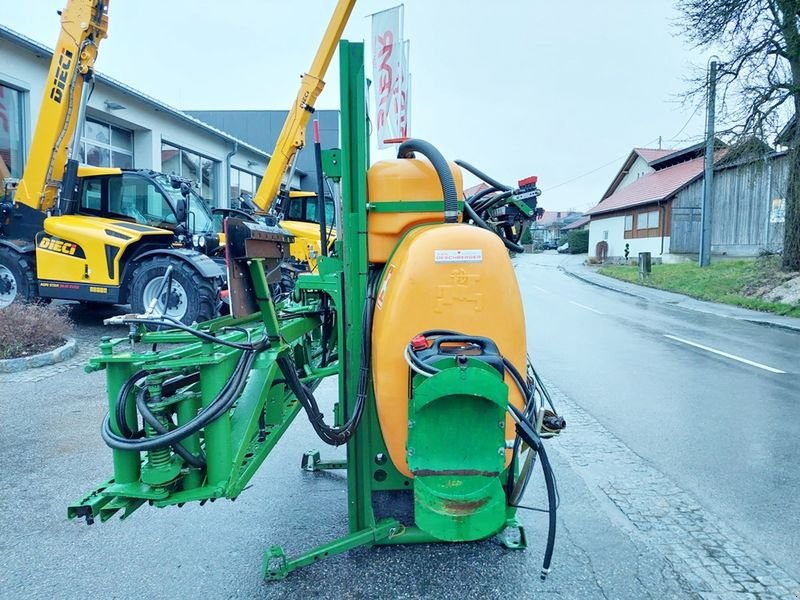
429, 151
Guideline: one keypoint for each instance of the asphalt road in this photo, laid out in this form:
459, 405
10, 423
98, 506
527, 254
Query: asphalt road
676, 476
727, 428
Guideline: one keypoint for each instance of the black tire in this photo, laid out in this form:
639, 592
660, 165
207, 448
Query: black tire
17, 277
193, 298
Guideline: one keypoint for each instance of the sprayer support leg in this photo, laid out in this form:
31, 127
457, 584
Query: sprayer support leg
275, 565
513, 536
312, 462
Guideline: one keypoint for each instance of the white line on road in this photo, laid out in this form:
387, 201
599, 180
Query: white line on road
586, 307
541, 289
725, 354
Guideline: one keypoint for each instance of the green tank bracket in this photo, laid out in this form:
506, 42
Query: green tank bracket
456, 450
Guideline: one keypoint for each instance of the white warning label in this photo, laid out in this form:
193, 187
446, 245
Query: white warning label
458, 256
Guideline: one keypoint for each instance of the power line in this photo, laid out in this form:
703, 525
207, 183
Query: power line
603, 166
611, 162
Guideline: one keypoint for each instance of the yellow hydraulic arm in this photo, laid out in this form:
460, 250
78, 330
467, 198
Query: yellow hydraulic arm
84, 24
293, 134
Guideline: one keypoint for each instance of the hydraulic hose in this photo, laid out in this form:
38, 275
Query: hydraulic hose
552, 506
481, 175
439, 163
336, 436
222, 403
475, 199
470, 212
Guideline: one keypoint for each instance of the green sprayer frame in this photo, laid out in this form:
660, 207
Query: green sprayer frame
236, 445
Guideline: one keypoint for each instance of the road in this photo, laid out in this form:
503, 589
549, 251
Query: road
712, 402
676, 475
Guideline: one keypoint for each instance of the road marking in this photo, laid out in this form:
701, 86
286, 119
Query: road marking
541, 289
586, 307
725, 354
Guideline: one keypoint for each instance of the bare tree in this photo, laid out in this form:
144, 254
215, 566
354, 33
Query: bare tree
759, 76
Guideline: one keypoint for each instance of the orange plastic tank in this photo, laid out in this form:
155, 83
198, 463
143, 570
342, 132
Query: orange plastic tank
413, 189
453, 276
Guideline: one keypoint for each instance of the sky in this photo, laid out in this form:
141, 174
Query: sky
563, 90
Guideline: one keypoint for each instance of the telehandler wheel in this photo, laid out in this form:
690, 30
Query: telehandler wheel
17, 279
191, 299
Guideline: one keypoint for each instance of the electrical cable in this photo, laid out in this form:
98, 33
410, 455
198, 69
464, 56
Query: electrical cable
256, 346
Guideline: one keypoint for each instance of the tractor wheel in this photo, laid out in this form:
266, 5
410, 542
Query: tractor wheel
17, 279
191, 299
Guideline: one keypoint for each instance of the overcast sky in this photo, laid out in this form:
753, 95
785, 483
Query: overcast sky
556, 89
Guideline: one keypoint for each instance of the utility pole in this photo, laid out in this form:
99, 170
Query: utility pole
708, 177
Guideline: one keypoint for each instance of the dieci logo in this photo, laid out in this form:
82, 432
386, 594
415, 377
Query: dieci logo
60, 79
56, 245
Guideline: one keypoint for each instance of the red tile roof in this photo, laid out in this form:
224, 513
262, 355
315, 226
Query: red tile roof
551, 216
471, 191
579, 223
651, 154
652, 187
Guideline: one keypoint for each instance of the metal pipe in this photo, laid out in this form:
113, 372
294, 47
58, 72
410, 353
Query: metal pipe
323, 229
228, 176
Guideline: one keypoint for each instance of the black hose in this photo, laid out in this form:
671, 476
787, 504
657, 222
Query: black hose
261, 344
407, 149
480, 174
468, 210
552, 499
141, 403
490, 202
336, 436
221, 404
476, 197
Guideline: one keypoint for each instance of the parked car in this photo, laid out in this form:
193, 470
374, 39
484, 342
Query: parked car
551, 245
563, 248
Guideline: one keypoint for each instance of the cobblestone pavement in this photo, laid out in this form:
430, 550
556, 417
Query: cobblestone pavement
710, 559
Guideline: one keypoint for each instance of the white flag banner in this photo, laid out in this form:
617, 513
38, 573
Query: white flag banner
400, 106
387, 72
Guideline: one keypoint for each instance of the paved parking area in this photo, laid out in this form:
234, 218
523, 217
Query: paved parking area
613, 542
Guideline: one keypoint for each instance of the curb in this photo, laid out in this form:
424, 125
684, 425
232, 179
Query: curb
57, 355
600, 285
763, 322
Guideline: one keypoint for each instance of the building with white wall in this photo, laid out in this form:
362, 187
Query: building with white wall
124, 128
636, 210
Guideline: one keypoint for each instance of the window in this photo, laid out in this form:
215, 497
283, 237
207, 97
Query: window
243, 182
139, 199
644, 224
92, 195
199, 169
12, 150
305, 209
605, 235
104, 145
648, 220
